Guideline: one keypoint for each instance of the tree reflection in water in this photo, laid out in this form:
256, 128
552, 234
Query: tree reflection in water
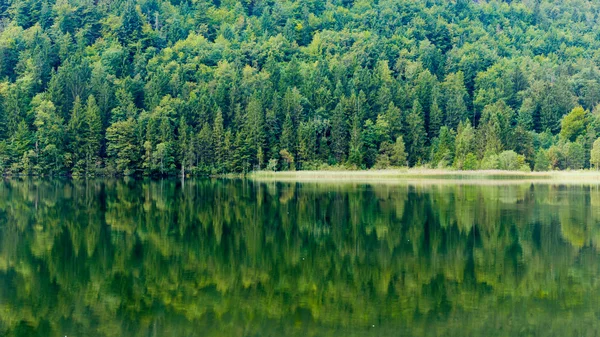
241, 258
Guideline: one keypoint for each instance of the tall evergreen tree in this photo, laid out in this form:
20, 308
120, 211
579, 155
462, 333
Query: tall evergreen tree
455, 97
339, 134
219, 139
122, 149
355, 153
465, 145
93, 135
255, 131
288, 138
49, 136
595, 155
436, 118
415, 134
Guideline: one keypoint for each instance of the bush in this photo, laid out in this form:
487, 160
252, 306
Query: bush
272, 165
575, 156
490, 162
383, 162
511, 161
525, 168
287, 160
470, 162
542, 162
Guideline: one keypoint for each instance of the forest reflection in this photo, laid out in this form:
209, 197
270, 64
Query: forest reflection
241, 258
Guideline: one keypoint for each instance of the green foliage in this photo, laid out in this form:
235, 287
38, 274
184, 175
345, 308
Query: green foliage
323, 81
469, 162
575, 156
122, 152
442, 149
455, 96
355, 156
542, 162
399, 156
465, 147
339, 134
494, 129
573, 124
370, 137
510, 160
595, 155
557, 101
416, 134
490, 162
556, 156
49, 136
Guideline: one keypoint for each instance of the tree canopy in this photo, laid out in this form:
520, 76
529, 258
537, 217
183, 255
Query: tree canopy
161, 87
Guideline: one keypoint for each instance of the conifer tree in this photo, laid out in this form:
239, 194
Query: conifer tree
415, 134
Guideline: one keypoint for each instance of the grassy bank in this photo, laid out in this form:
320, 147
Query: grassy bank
431, 175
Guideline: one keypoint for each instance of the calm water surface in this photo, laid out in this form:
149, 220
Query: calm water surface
237, 258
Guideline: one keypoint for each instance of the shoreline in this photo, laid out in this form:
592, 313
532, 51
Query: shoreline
429, 176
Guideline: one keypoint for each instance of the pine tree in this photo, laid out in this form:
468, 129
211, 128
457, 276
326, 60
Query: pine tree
455, 96
122, 149
339, 134
355, 154
595, 155
307, 143
436, 118
93, 135
164, 156
187, 147
77, 134
465, 146
398, 157
490, 131
393, 115
370, 139
288, 138
205, 147
49, 136
442, 152
557, 101
131, 23
415, 134
219, 139
255, 130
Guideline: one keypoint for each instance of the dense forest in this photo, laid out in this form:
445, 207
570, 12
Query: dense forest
164, 87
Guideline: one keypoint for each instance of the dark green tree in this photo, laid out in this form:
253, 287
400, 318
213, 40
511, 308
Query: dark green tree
415, 134
339, 134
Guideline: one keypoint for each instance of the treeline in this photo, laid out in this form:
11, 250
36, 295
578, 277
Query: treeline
159, 87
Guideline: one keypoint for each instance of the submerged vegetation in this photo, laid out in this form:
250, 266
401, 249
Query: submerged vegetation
163, 87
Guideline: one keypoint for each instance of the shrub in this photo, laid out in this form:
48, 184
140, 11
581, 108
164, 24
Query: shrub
511, 161
490, 162
470, 162
542, 162
272, 164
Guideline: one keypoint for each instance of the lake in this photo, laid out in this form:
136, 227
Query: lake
243, 258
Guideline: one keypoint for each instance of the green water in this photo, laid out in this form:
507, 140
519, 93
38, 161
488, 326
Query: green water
237, 258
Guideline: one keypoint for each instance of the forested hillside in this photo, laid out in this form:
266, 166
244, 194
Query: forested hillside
160, 87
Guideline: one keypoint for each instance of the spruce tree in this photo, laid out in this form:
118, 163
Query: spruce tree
415, 134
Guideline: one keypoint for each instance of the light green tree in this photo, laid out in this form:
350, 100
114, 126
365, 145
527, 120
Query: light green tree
595, 155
